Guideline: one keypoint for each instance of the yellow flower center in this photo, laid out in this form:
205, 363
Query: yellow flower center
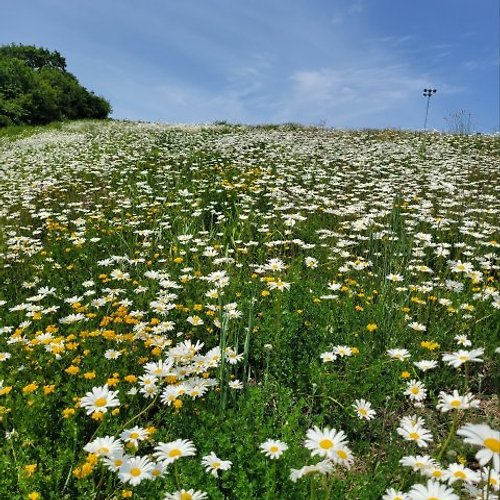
273, 448
215, 465
437, 473
342, 454
100, 402
460, 474
135, 471
493, 444
456, 403
363, 412
433, 498
134, 435
414, 435
326, 444
414, 390
103, 450
175, 453
186, 496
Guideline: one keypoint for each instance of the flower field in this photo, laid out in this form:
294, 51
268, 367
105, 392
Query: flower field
230, 312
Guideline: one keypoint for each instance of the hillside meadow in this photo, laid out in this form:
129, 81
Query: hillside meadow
237, 312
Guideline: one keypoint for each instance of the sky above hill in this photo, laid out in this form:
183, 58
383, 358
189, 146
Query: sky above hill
339, 63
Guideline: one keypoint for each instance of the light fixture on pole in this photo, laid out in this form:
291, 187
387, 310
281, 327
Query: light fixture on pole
428, 93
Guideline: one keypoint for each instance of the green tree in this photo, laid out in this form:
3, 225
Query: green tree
35, 88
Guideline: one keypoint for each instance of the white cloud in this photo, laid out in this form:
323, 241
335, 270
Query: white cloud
348, 93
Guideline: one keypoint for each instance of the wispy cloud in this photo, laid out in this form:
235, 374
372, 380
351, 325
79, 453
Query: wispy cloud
351, 63
345, 94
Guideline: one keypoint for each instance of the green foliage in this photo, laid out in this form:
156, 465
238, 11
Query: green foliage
35, 88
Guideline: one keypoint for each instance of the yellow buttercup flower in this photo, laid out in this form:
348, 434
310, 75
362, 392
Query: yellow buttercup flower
30, 388
48, 389
30, 469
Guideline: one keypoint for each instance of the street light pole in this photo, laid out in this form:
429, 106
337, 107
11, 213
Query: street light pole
428, 93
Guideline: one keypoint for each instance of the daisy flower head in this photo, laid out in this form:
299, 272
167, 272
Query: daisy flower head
323, 442
415, 390
278, 285
436, 472
115, 461
412, 429
135, 470
134, 435
425, 364
274, 265
334, 287
458, 472
311, 262
328, 357
463, 340
170, 452
364, 409
392, 494
492, 477
399, 354
235, 384
457, 359
324, 467
342, 455
342, 351
417, 327
461, 267
418, 462
186, 495
214, 464
171, 393
194, 320
107, 446
394, 277
273, 448
158, 369
112, 354
486, 437
454, 401
99, 399
233, 357
479, 493
432, 490
159, 469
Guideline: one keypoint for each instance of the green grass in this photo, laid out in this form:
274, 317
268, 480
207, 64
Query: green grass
94, 260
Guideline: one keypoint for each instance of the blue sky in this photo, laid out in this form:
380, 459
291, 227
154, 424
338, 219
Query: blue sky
342, 63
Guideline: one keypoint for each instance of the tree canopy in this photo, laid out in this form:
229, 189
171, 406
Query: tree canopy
35, 88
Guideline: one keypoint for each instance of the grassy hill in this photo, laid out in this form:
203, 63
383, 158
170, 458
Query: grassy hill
320, 308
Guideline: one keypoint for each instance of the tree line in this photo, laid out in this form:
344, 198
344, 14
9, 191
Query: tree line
36, 88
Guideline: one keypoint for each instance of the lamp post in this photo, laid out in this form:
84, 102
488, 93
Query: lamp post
428, 93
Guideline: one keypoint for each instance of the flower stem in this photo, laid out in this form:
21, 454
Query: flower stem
313, 490
272, 475
450, 435
176, 475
